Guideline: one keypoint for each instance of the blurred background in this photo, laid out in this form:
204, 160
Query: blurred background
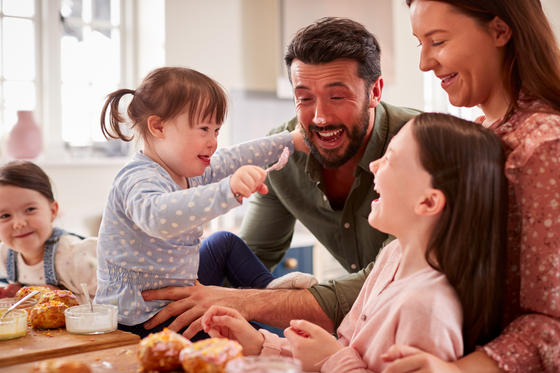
59, 58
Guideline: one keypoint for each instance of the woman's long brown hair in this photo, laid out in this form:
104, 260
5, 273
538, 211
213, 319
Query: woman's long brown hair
532, 56
466, 162
166, 92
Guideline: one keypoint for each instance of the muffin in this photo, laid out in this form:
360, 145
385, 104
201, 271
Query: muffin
209, 355
160, 351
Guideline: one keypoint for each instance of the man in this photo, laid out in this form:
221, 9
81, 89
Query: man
334, 68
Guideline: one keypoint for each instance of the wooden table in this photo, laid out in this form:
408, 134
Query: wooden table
44, 344
116, 359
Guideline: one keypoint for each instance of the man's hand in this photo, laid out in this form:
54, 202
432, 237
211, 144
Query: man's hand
298, 138
311, 344
190, 303
9, 291
225, 322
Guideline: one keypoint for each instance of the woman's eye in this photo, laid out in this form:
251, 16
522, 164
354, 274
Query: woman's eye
30, 209
4, 216
437, 43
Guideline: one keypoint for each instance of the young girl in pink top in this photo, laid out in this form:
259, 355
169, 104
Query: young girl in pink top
437, 286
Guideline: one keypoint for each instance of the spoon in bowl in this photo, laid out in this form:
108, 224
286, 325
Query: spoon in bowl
14, 306
86, 294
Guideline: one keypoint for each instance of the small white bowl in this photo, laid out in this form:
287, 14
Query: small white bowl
14, 325
80, 319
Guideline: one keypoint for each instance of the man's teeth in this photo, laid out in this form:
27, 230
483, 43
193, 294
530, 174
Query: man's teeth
328, 134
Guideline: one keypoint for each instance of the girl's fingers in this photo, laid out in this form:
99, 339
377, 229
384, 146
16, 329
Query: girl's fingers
396, 352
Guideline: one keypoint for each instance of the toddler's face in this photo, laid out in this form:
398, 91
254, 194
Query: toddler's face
186, 150
26, 218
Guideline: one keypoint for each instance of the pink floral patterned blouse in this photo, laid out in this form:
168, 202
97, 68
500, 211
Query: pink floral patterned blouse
531, 340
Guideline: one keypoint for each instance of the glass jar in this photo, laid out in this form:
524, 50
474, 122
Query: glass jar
264, 364
80, 319
14, 325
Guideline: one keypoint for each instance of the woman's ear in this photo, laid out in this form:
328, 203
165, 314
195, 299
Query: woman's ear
432, 203
155, 126
500, 31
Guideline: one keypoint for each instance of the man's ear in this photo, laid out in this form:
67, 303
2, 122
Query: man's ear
500, 30
155, 126
375, 91
432, 203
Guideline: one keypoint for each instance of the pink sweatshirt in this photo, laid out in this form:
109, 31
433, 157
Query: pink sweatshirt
421, 310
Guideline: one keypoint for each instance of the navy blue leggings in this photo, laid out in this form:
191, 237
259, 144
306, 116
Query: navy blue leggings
225, 255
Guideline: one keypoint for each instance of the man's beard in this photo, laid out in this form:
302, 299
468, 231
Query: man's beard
329, 158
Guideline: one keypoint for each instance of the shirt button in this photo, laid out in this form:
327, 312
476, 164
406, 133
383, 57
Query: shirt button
353, 266
364, 317
346, 225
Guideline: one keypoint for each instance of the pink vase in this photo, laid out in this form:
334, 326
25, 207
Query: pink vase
25, 140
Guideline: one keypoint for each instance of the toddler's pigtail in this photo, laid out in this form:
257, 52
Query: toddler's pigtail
116, 118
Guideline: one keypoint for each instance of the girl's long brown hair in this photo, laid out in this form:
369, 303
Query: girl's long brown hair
466, 162
532, 56
165, 92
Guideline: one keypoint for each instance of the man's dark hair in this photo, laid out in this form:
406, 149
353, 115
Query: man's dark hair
332, 38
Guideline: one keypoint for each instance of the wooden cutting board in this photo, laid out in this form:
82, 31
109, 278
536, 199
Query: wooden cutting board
118, 359
43, 344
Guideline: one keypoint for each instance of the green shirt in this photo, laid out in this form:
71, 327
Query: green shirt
296, 192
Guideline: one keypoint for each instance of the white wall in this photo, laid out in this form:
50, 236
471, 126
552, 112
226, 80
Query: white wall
237, 43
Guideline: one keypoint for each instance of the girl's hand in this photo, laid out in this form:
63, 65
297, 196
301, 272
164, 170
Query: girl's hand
298, 138
225, 322
9, 291
410, 359
311, 344
248, 180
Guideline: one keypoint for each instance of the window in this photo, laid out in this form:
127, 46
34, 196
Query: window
18, 67
60, 58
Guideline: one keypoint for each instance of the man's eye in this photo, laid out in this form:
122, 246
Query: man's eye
337, 98
4, 216
30, 209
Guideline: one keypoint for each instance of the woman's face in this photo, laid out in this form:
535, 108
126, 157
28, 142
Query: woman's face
464, 54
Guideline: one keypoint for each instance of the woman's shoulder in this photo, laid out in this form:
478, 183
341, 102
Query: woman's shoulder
532, 128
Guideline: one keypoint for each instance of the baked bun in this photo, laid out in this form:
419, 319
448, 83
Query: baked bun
48, 315
64, 296
28, 289
60, 366
160, 351
209, 355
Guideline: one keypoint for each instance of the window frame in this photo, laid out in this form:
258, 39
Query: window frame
48, 83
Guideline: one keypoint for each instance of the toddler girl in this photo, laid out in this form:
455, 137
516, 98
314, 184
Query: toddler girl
152, 224
436, 287
32, 251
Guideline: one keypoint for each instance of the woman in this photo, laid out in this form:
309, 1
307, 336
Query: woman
502, 56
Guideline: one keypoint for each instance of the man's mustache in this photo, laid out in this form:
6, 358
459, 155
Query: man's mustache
329, 127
